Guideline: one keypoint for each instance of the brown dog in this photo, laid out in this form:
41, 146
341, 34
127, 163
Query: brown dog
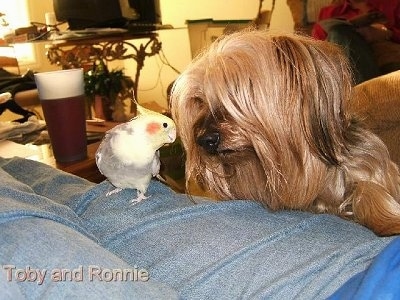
263, 117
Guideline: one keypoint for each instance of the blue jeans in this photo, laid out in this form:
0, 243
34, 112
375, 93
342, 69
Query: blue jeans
66, 228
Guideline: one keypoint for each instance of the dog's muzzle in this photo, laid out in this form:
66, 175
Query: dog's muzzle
209, 141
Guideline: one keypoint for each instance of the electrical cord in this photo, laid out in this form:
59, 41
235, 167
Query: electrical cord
165, 61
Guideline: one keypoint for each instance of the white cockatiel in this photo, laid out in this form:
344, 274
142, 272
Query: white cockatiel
129, 156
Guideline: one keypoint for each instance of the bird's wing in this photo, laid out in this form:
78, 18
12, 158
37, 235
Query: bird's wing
155, 167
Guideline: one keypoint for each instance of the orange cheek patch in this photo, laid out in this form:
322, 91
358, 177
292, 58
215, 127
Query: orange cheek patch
153, 128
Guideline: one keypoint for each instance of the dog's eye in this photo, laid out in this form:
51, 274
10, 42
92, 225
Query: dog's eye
209, 141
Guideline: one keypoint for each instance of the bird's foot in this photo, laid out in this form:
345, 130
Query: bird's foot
114, 191
160, 178
140, 197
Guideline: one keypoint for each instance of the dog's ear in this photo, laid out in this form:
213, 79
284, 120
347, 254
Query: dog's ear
322, 125
323, 118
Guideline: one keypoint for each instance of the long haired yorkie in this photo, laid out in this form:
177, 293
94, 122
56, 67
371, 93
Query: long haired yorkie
262, 116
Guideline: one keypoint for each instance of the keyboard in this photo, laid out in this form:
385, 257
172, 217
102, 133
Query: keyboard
140, 27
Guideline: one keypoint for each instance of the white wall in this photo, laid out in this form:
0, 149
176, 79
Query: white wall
156, 76
37, 9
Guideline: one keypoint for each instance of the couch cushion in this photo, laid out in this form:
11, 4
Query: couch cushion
377, 102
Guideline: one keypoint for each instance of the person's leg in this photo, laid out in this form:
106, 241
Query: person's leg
357, 49
45, 251
201, 248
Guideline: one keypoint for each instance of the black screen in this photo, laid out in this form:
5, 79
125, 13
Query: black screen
82, 14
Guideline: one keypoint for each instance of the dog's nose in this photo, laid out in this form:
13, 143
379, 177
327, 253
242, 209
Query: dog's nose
209, 141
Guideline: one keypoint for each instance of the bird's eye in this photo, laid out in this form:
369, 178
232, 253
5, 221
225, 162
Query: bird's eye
165, 125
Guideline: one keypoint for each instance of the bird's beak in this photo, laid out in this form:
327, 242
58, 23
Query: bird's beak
172, 135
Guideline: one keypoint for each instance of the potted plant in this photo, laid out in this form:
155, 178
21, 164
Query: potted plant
104, 88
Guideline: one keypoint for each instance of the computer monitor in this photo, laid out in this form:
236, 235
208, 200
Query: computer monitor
83, 14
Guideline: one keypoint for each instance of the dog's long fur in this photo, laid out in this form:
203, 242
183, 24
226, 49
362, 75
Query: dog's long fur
263, 116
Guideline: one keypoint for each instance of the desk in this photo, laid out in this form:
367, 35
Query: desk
86, 168
43, 153
78, 52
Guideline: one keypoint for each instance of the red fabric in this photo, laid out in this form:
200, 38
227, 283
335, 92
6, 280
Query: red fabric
390, 8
